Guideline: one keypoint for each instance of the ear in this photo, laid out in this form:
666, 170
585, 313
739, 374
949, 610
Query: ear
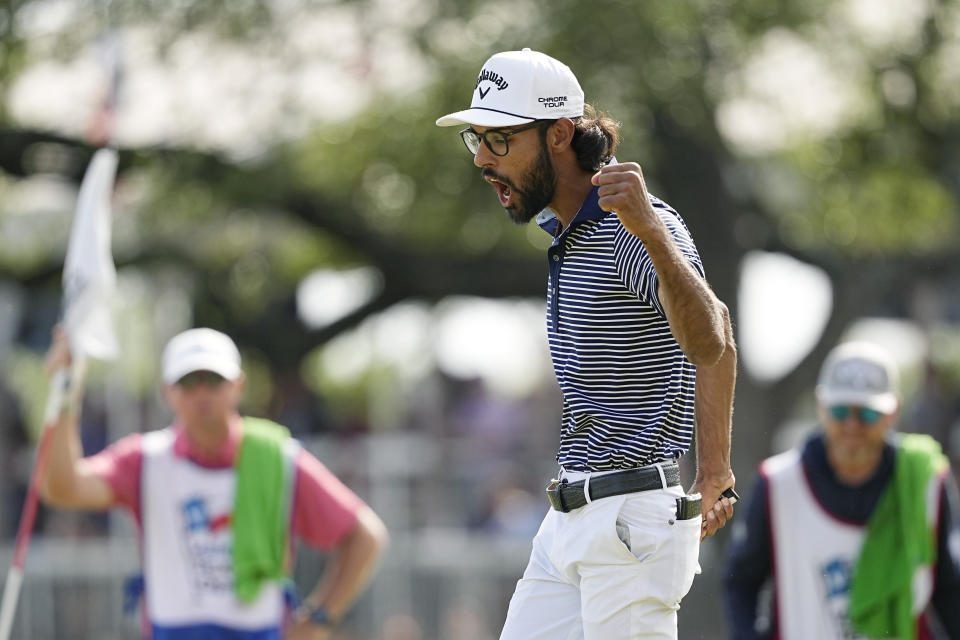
560, 134
895, 416
238, 386
822, 414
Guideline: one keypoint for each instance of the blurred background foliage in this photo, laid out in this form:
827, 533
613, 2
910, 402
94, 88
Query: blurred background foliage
812, 128
266, 142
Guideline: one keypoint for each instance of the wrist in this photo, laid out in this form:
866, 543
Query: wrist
653, 233
319, 615
717, 477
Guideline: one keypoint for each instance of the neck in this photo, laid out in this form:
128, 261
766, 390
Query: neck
855, 469
573, 185
209, 438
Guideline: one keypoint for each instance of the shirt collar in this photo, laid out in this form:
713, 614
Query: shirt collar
589, 210
183, 448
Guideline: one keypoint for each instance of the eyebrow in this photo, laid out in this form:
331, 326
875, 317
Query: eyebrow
503, 129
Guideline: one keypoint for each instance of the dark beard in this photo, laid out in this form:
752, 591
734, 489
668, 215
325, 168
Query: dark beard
540, 185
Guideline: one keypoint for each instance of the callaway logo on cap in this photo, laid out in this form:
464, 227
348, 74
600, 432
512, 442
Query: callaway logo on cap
517, 87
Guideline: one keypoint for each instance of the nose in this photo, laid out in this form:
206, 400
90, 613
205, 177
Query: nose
484, 157
853, 421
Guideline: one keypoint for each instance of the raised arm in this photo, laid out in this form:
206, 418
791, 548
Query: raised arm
693, 311
67, 480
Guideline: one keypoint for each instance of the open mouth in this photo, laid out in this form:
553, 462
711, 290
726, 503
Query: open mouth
503, 191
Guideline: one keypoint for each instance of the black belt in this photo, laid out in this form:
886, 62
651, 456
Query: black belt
566, 496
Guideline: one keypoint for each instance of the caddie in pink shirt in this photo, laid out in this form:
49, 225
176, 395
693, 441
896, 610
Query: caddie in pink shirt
217, 498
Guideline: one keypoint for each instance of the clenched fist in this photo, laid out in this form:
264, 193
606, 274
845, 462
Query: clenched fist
623, 191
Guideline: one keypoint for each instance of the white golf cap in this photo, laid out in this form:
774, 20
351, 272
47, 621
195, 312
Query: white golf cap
517, 87
859, 374
200, 350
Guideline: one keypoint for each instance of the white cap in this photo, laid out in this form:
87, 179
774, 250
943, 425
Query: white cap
200, 350
517, 87
859, 374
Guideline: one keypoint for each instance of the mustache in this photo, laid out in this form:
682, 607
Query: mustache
490, 173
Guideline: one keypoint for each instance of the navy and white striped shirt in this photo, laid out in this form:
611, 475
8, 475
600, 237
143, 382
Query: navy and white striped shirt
627, 387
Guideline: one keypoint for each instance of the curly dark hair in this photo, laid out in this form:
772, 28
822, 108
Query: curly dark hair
595, 138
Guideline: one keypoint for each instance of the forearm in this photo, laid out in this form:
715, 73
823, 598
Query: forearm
713, 404
64, 456
352, 566
67, 481
60, 472
692, 309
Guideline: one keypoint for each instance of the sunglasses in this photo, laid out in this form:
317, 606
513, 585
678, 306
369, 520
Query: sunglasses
864, 415
197, 378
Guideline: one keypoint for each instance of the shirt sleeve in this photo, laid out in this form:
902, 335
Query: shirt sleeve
748, 564
324, 509
946, 589
633, 263
119, 466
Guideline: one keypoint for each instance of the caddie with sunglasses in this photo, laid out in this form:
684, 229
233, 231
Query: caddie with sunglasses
218, 499
643, 352
858, 530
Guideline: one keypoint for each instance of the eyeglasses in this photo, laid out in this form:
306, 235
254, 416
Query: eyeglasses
495, 139
197, 378
864, 415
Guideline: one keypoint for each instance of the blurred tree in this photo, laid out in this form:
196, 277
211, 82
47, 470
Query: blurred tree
806, 127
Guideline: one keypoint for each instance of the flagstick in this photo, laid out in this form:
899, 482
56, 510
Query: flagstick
60, 387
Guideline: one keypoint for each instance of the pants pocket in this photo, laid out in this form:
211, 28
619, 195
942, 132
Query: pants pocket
637, 541
686, 551
665, 548
641, 523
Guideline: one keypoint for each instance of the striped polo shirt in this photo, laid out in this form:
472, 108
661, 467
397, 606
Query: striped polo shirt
627, 387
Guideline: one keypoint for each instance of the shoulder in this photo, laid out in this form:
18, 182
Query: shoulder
264, 429
667, 213
919, 449
120, 465
775, 465
131, 445
152, 441
624, 240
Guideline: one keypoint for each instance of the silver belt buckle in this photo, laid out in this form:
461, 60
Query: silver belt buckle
553, 494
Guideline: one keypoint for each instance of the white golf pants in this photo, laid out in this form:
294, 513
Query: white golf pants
615, 569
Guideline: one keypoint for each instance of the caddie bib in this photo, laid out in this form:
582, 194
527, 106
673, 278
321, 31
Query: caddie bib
814, 555
187, 536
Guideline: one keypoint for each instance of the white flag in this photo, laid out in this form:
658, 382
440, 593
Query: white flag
89, 276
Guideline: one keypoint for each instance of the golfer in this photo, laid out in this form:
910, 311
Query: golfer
641, 347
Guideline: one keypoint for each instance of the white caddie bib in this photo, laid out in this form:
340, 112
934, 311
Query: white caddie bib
814, 555
187, 537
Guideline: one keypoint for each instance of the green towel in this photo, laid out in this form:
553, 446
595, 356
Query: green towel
899, 539
260, 511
